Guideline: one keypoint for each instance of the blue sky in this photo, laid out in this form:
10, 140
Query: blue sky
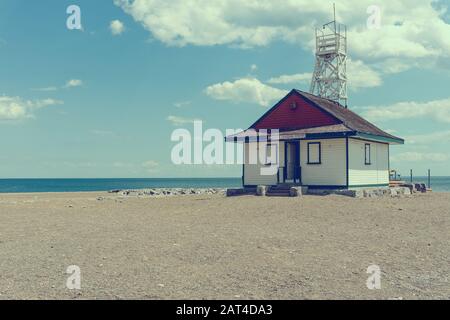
103, 102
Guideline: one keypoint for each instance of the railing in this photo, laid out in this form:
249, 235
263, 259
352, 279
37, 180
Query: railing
331, 43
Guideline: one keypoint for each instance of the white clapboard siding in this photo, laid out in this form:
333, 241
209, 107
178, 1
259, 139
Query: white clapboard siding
252, 172
360, 174
333, 169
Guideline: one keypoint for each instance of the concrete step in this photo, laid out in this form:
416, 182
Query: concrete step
280, 188
278, 194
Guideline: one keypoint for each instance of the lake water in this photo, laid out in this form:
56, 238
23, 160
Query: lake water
438, 184
81, 185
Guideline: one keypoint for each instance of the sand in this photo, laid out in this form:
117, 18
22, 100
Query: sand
212, 247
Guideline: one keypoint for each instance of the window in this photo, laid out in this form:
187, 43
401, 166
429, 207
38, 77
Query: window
367, 154
314, 153
271, 154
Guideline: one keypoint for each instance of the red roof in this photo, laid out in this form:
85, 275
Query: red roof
301, 110
300, 114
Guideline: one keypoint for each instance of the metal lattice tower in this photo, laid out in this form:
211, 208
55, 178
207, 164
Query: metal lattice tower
330, 72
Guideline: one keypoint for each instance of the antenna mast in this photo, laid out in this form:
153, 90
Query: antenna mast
330, 72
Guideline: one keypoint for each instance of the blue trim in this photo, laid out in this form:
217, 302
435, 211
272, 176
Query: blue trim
331, 187
367, 140
347, 162
327, 135
389, 160
269, 145
326, 187
320, 153
367, 162
298, 161
346, 187
338, 135
285, 162
379, 138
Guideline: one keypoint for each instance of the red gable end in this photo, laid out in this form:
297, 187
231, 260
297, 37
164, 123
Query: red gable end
294, 112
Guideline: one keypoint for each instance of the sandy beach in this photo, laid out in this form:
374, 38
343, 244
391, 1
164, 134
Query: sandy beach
213, 247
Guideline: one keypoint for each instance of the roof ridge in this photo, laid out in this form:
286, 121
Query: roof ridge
317, 97
342, 113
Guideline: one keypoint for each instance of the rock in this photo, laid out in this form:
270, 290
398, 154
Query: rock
261, 191
399, 191
352, 193
420, 187
298, 191
409, 186
234, 192
168, 192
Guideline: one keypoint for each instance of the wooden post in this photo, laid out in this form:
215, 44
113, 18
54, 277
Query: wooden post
429, 179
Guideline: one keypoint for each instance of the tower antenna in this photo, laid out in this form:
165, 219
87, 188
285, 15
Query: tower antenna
330, 72
334, 12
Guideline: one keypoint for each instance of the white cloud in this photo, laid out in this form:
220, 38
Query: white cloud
45, 103
418, 157
116, 27
395, 65
437, 110
181, 104
291, 78
73, 83
391, 131
150, 166
119, 164
103, 133
179, 121
16, 108
79, 164
434, 137
46, 89
411, 30
361, 75
248, 90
